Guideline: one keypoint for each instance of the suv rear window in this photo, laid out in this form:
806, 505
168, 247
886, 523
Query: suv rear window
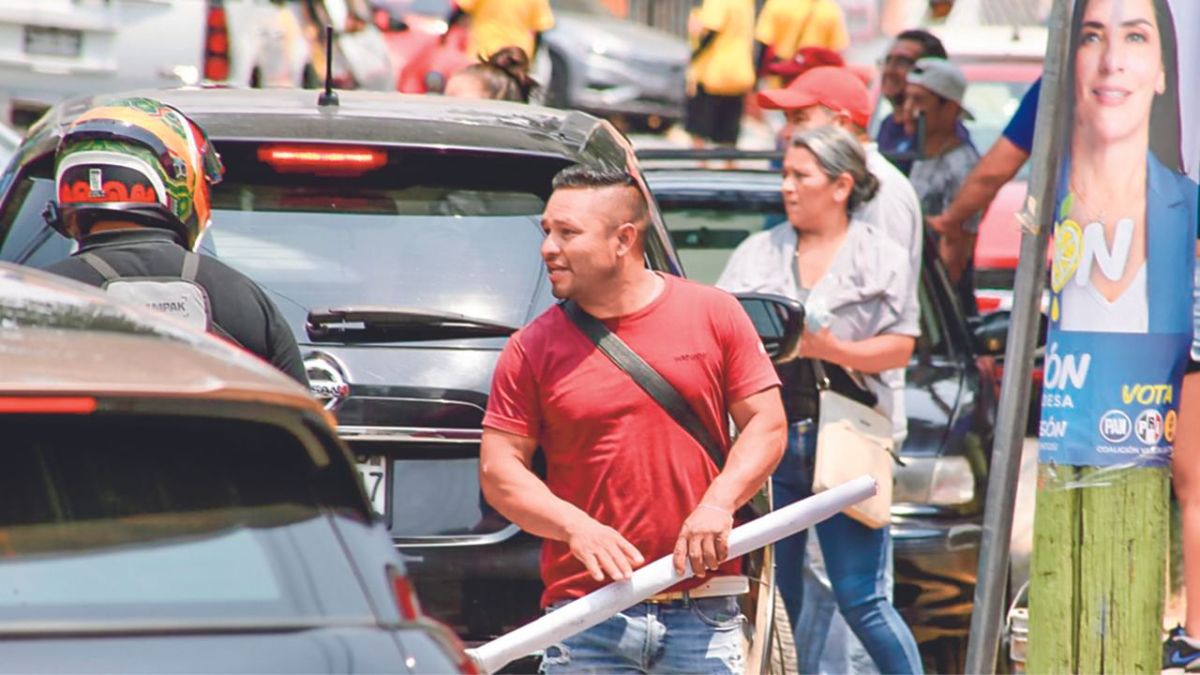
450, 232
144, 518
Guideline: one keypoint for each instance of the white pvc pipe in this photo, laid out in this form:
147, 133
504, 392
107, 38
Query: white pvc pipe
598, 606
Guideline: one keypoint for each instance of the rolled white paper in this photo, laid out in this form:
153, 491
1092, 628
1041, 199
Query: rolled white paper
597, 606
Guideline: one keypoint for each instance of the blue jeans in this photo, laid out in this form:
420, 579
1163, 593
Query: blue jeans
855, 559
685, 636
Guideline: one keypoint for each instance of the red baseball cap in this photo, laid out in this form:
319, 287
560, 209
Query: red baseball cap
835, 87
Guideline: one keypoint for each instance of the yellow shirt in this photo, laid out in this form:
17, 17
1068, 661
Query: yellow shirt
726, 67
496, 24
788, 25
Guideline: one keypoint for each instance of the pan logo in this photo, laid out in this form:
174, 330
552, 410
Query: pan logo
1115, 426
1149, 427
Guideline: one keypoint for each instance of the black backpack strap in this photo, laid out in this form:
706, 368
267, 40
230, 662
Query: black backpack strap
102, 268
646, 377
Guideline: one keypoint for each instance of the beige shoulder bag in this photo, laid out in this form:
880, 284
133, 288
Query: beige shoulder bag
852, 440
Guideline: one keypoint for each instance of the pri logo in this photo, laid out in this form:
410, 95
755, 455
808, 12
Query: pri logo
1149, 427
1115, 426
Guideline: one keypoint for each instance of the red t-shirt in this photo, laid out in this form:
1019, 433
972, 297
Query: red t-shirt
610, 449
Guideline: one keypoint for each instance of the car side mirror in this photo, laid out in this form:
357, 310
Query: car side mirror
779, 322
991, 332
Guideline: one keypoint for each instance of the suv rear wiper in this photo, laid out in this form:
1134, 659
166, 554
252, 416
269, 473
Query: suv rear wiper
367, 323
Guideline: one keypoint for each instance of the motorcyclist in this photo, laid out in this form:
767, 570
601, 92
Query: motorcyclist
133, 181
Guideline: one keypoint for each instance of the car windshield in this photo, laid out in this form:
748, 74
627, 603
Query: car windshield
145, 518
992, 103
447, 235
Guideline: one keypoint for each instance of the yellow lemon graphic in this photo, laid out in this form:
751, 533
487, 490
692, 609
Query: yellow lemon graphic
1170, 425
1068, 247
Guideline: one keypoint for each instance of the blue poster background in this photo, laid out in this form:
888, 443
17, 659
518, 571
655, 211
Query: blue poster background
1111, 398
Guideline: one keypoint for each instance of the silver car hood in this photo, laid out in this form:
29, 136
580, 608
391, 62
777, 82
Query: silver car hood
619, 38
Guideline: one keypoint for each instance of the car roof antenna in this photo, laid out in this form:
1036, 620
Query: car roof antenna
328, 97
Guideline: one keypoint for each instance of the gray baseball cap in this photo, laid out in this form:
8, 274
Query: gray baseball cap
942, 78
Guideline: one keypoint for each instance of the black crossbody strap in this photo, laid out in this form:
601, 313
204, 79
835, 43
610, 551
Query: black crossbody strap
646, 377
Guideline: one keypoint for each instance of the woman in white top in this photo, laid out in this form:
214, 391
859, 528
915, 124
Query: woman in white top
852, 280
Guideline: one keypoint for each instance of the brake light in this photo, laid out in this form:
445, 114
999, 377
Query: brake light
987, 303
67, 405
406, 597
321, 159
216, 43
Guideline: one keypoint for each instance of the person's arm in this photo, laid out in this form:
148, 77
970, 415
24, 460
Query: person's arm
994, 170
513, 489
762, 424
872, 355
955, 252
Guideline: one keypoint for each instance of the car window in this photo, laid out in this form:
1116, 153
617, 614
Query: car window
145, 517
446, 233
705, 238
25, 237
993, 104
933, 340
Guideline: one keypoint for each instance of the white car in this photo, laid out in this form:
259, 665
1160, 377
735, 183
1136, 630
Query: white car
55, 49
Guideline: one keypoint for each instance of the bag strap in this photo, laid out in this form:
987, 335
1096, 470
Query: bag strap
102, 268
191, 265
820, 375
646, 377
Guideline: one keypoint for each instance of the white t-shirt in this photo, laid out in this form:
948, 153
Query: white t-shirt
896, 211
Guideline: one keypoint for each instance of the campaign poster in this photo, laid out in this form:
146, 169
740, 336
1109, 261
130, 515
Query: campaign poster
1124, 237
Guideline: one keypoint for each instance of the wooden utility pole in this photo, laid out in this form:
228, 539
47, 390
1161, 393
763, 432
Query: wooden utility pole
1098, 573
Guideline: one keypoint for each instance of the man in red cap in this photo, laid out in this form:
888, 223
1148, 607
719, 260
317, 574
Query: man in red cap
836, 95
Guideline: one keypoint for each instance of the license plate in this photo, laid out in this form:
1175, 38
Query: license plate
373, 471
46, 41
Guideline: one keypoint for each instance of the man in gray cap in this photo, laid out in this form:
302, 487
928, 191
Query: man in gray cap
935, 90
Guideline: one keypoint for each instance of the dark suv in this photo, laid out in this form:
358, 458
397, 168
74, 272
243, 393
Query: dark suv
400, 236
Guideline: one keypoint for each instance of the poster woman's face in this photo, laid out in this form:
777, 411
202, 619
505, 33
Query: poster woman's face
1118, 69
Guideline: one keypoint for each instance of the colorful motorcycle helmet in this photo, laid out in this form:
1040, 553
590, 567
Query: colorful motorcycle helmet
137, 160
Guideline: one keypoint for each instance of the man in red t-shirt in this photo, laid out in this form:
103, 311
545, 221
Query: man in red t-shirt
625, 483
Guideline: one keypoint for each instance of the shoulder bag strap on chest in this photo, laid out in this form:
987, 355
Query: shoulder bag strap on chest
646, 377
102, 268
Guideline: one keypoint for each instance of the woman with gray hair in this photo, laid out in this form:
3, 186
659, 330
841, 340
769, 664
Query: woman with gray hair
851, 279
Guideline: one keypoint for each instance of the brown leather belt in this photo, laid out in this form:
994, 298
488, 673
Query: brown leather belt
714, 587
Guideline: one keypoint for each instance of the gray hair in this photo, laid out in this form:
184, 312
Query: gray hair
838, 153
